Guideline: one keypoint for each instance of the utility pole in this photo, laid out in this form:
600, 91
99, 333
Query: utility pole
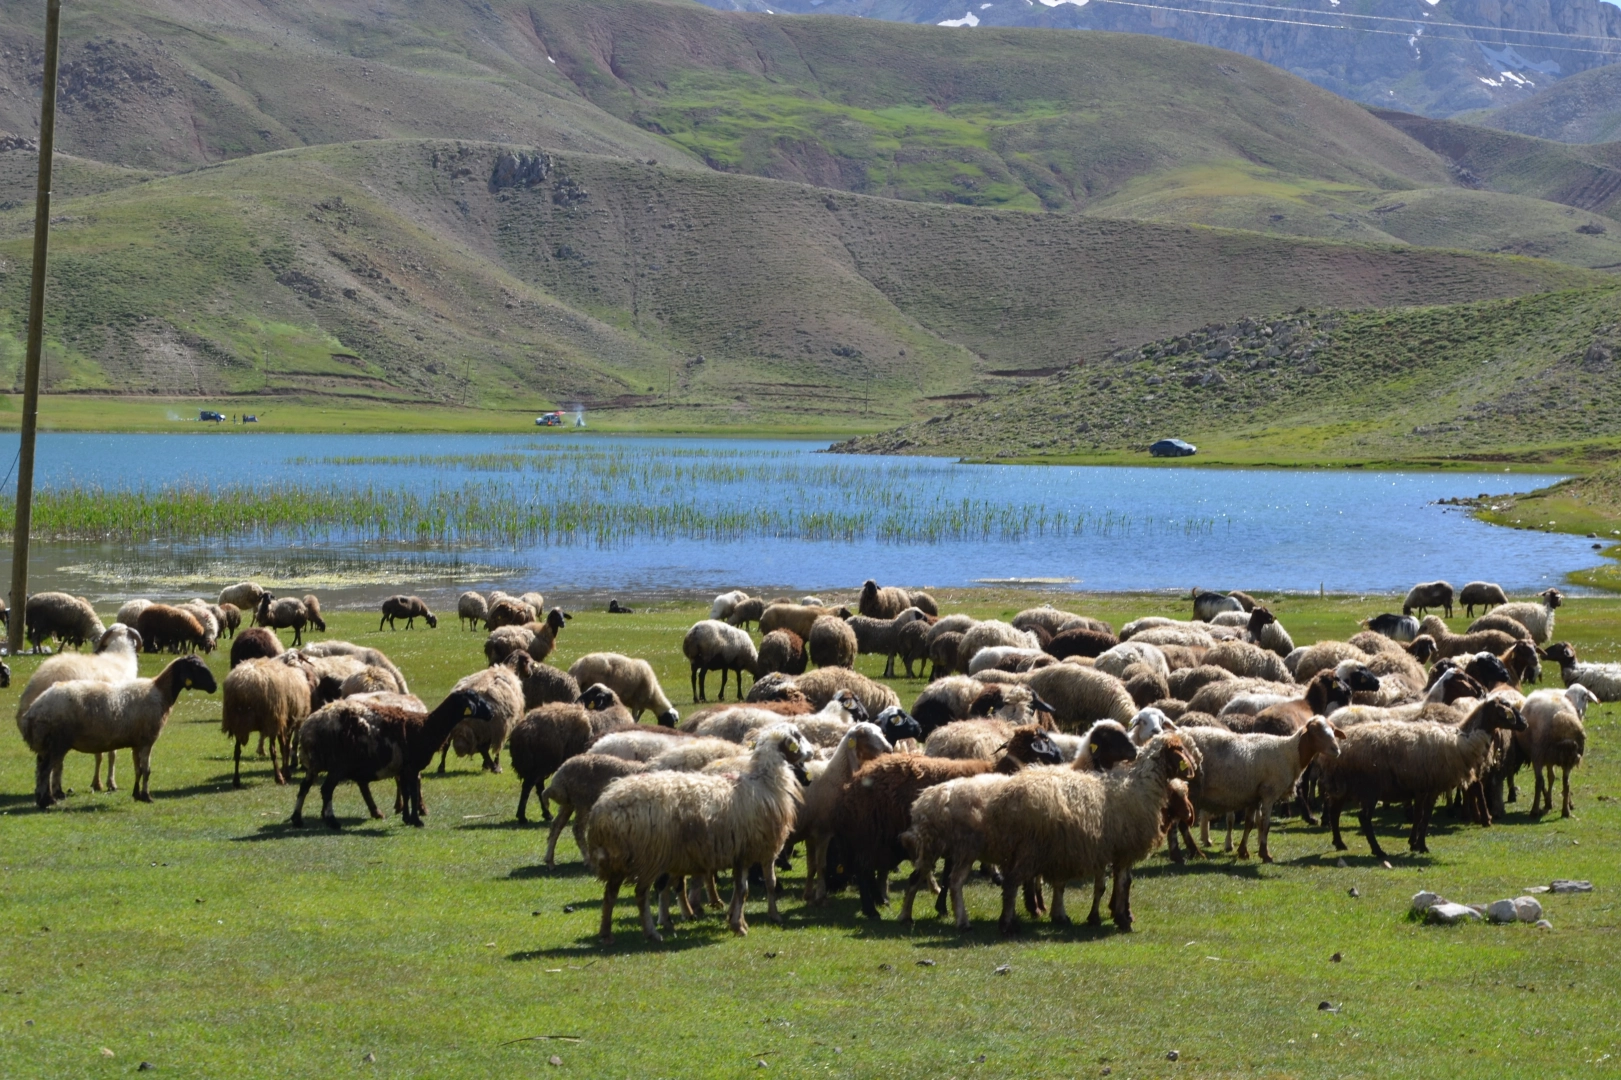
36, 331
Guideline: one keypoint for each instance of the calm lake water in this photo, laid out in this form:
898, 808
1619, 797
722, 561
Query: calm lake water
829, 521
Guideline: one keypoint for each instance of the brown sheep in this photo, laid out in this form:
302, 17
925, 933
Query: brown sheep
165, 628
1449, 644
782, 651
831, 643
550, 735
409, 608
889, 601
254, 643
508, 612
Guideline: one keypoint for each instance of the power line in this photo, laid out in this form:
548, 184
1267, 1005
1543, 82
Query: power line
1400, 19
1331, 26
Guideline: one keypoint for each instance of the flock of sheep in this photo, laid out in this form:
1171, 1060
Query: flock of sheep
1049, 749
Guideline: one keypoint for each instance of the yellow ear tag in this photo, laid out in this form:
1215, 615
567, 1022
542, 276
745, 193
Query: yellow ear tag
1092, 749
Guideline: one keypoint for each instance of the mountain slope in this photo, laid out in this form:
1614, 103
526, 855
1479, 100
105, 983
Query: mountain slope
1440, 58
1527, 379
1584, 108
420, 270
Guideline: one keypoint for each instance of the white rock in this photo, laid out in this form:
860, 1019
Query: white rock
1502, 911
1423, 901
1544, 924
1527, 909
1447, 914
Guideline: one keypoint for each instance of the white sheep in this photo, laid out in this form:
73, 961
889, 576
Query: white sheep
642, 742
825, 727
70, 619
502, 691
1554, 737
723, 605
365, 654
270, 698
131, 610
116, 660
1080, 695
99, 718
1116, 660
713, 645
1537, 618
245, 595
996, 656
984, 635
695, 824
472, 609
631, 679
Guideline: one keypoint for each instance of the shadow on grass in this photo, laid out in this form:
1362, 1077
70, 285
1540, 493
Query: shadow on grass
505, 825
541, 870
217, 786
1210, 864
313, 826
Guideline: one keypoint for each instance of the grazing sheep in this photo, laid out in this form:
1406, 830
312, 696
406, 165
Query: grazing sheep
1604, 680
950, 624
1394, 627
367, 656
536, 602
1054, 621
506, 640
1554, 737
95, 717
888, 602
1081, 641
268, 698
647, 826
1066, 825
472, 609
575, 787
1480, 594
287, 612
552, 734
832, 643
169, 629
874, 808
878, 636
1492, 621
726, 603
988, 634
502, 693
1537, 618
823, 684
796, 617
365, 741
230, 617
204, 614
254, 643
69, 619
1249, 661
1449, 644
1428, 594
1247, 773
632, 680
130, 611
1207, 605
312, 609
542, 683
409, 608
114, 661
748, 611
781, 651
861, 744
1417, 761
245, 595
508, 612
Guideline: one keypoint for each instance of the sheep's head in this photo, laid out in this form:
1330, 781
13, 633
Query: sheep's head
433, 621
598, 697
784, 740
1496, 714
1261, 617
896, 724
1488, 670
1561, 653
1149, 723
1319, 737
470, 705
1030, 745
1178, 807
867, 741
1580, 697
521, 663
1554, 597
1172, 755
194, 674
1357, 676
669, 717
851, 704
1423, 647
1522, 656
119, 636
1108, 744
556, 618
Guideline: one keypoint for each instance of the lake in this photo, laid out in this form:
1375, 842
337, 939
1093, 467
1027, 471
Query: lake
584, 516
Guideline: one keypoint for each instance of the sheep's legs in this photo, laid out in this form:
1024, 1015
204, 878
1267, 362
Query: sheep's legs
1365, 817
1095, 918
236, 778
610, 896
649, 931
95, 777
328, 787
1331, 814
1544, 791
1261, 821
959, 904
261, 751
1009, 922
1059, 916
44, 767
1565, 806
769, 869
740, 893
143, 773
1416, 839
564, 812
371, 804
298, 805
444, 753
112, 760
923, 868
523, 807
815, 859
1120, 900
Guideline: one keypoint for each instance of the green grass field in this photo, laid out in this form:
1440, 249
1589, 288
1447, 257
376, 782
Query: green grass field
204, 935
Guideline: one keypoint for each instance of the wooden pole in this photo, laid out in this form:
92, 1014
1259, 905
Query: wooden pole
36, 331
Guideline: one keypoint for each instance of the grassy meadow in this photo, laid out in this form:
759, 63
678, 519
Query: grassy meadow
206, 936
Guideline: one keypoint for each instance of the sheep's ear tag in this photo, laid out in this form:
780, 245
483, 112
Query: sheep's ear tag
1092, 749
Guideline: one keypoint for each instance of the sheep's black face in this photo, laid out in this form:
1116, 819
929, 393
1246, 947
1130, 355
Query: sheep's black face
196, 676
5, 676
1043, 751
895, 724
1110, 747
597, 697
1360, 678
474, 707
852, 704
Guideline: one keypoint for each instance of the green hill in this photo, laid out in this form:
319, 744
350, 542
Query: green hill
1525, 380
1583, 108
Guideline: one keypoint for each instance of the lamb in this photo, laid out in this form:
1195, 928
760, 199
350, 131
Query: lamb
244, 594
253, 643
502, 693
1417, 761
984, 635
204, 614
1249, 661
575, 787
1428, 594
1449, 644
69, 619
693, 824
268, 698
1265, 630
1554, 736
472, 609
748, 611
366, 655
796, 617
632, 680
1481, 594
552, 734
230, 618
1207, 605
95, 717
130, 611
1537, 618
312, 608
542, 683
364, 741
409, 608
781, 651
114, 661
881, 636
165, 628
726, 603
832, 643
1604, 680
368, 680
1394, 627
508, 612
820, 687
861, 744
1064, 825
287, 612
874, 808
888, 602
1247, 773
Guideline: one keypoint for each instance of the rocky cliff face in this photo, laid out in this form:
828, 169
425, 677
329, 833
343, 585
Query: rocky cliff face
1435, 57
